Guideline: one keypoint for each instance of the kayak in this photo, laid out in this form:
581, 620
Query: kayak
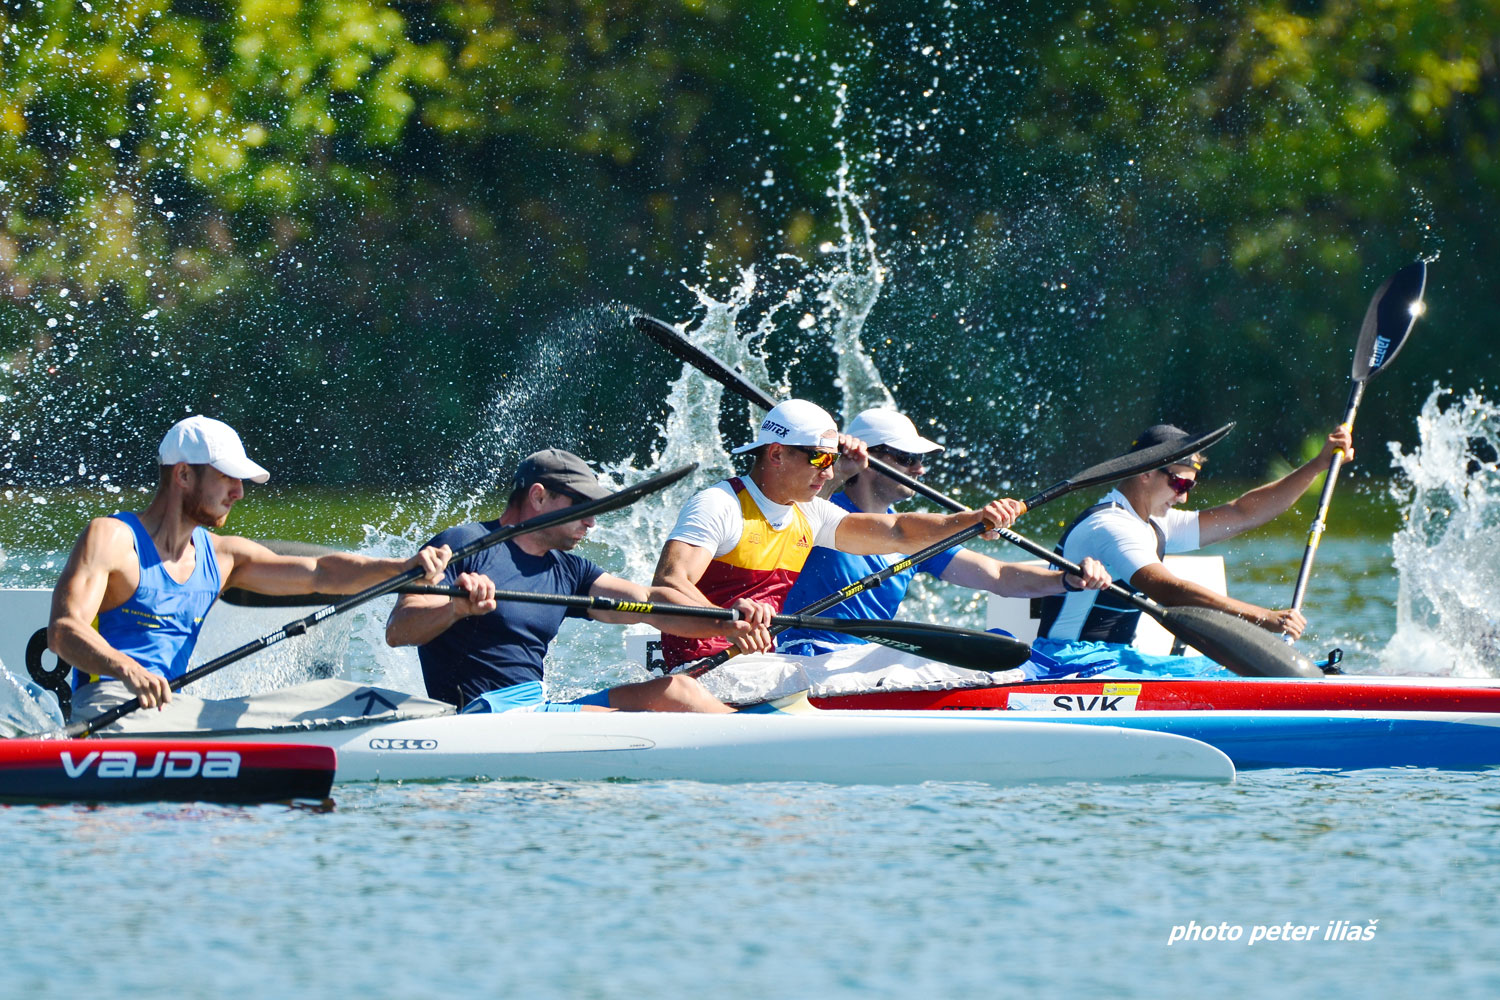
161, 770
1347, 740
847, 748
1114, 697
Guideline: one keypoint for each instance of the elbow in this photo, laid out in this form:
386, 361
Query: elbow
393, 636
57, 633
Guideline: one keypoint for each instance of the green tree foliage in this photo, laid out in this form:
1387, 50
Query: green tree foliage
336, 218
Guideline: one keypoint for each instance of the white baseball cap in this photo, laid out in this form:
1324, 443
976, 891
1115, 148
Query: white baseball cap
883, 425
200, 440
796, 422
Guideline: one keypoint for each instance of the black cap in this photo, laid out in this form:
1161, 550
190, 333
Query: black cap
561, 471
1158, 434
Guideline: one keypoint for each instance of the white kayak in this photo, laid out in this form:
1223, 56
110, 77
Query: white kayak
835, 747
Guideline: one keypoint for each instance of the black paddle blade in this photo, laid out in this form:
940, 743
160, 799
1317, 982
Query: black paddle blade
1131, 463
685, 350
1242, 647
1393, 311
960, 647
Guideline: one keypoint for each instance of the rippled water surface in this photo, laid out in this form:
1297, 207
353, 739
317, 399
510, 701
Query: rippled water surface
679, 889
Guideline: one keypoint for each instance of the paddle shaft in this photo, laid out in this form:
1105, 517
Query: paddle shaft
301, 625
799, 620
1325, 499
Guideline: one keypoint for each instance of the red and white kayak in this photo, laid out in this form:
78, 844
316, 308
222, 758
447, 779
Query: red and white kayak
1103, 695
162, 770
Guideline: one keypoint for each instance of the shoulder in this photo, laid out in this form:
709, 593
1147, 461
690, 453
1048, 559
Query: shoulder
708, 516
720, 494
460, 534
575, 565
1113, 519
106, 539
240, 548
819, 510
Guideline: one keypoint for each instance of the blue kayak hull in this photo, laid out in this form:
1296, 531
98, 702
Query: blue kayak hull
1342, 740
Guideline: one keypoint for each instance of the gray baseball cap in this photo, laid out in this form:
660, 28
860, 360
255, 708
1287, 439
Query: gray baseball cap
562, 471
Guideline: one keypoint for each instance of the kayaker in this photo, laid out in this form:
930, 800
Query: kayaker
486, 658
1135, 525
128, 607
742, 542
893, 438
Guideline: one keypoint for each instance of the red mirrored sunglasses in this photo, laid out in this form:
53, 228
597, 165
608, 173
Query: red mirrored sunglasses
1179, 484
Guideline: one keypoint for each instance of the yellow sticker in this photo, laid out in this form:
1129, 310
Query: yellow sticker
1122, 689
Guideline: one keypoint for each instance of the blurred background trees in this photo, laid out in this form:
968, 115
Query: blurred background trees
344, 224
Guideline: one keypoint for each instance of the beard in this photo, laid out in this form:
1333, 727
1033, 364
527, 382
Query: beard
196, 510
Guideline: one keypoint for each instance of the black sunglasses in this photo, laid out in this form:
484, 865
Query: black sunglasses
910, 459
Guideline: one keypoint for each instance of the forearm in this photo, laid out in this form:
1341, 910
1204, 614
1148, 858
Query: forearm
86, 650
1184, 593
348, 573
917, 531
1017, 580
1263, 503
414, 625
692, 628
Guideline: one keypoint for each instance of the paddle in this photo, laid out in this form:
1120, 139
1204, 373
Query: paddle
1215, 634
576, 512
961, 647
1392, 313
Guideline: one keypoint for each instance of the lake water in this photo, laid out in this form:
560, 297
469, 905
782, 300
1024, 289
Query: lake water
679, 889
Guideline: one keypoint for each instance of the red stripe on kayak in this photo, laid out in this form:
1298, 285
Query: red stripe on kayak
1328, 694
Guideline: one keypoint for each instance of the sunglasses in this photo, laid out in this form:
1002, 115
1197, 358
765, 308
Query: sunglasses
910, 459
817, 459
1179, 484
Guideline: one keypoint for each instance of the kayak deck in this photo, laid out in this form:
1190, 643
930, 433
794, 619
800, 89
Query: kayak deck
836, 748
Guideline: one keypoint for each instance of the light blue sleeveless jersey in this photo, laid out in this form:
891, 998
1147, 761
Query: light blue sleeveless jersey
158, 627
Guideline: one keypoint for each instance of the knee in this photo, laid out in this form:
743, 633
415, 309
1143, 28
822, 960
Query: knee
687, 693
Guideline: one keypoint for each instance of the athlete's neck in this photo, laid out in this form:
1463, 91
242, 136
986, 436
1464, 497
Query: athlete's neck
1133, 491
169, 528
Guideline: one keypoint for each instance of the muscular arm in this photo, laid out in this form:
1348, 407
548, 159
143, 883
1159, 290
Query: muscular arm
97, 578
1165, 587
980, 572
421, 618
254, 567
680, 568
678, 571
1263, 503
627, 590
878, 534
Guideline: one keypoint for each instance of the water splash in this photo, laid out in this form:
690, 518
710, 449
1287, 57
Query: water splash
1448, 550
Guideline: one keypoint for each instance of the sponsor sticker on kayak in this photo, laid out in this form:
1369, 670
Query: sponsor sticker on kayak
1103, 701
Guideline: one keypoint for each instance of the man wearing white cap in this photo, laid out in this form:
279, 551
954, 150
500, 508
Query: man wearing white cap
741, 543
132, 598
893, 438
